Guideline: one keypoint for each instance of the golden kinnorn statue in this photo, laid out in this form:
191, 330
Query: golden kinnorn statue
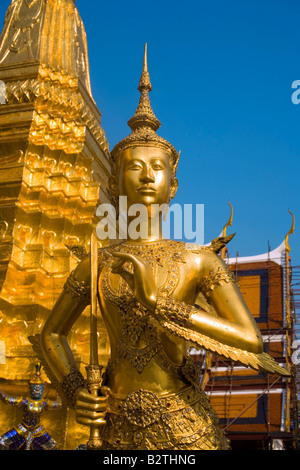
151, 396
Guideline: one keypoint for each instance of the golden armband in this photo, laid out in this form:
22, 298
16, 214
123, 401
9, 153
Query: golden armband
70, 385
173, 311
216, 278
8, 400
78, 289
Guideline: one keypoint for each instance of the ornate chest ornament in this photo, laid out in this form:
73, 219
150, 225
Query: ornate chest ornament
136, 322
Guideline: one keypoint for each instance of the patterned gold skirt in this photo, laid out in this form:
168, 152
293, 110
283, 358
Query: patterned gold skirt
178, 421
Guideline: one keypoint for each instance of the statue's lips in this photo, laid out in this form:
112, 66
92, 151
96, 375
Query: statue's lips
146, 190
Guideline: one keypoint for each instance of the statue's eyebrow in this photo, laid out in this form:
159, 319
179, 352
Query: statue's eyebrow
158, 159
134, 161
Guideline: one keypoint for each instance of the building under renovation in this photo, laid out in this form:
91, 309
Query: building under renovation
259, 410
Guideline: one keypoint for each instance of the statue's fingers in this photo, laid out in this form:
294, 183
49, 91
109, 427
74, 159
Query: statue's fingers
128, 277
88, 419
105, 391
135, 260
91, 412
85, 397
117, 266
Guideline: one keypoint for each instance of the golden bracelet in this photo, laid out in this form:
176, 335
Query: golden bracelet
215, 279
173, 310
70, 385
78, 289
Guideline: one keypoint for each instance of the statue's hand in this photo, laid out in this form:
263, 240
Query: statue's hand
141, 282
90, 410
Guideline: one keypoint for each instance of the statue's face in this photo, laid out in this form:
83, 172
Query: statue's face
36, 391
145, 176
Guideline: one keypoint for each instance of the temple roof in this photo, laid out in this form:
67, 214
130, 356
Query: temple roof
277, 255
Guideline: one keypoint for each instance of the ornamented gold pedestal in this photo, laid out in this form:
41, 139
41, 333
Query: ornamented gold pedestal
54, 171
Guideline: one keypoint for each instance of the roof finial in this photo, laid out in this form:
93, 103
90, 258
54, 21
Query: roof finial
292, 229
229, 221
224, 232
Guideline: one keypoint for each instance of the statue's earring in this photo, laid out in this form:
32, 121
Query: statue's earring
173, 191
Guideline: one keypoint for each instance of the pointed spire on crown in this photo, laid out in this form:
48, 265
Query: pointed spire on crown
144, 115
145, 82
144, 124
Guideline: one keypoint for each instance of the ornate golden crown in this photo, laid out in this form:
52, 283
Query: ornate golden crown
144, 124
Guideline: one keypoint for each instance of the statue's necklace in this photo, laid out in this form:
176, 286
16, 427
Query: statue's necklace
165, 254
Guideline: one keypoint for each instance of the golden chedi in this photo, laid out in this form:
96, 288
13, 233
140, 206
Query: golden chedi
54, 172
151, 396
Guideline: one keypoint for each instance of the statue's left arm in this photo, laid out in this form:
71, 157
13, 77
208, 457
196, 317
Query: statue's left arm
230, 332
233, 323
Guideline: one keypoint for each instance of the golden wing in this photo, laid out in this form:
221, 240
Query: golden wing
262, 361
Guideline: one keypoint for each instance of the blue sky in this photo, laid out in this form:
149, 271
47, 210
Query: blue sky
222, 73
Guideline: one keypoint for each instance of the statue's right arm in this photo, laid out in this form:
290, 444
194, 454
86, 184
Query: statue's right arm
57, 353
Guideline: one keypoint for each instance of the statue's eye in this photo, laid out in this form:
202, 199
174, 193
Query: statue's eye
157, 166
135, 166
